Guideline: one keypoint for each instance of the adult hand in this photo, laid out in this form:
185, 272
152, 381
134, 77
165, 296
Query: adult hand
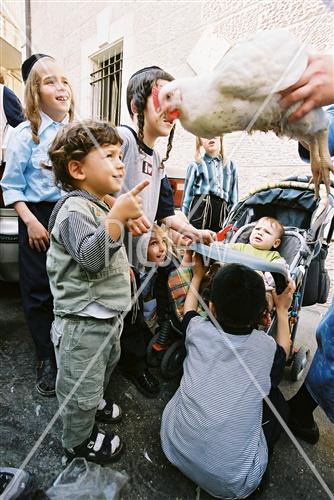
178, 238
38, 236
315, 87
202, 235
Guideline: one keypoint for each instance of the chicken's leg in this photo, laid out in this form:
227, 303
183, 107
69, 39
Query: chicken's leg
321, 162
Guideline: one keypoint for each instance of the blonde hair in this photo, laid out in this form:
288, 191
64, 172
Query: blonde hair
162, 232
198, 145
33, 102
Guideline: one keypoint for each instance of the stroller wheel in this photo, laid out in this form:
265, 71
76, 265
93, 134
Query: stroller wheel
153, 357
299, 363
172, 361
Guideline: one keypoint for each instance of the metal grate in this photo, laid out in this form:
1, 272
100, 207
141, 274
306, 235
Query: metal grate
106, 82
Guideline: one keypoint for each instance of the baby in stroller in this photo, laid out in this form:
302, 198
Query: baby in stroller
265, 237
308, 224
166, 290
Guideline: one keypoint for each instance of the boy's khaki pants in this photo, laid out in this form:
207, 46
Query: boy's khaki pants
87, 350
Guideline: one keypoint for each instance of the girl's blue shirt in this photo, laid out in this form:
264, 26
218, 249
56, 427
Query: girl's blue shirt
211, 175
24, 178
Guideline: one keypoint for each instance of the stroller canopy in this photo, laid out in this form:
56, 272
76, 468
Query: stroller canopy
291, 201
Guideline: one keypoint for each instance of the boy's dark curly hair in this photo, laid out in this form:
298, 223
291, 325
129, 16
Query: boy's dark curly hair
74, 142
138, 91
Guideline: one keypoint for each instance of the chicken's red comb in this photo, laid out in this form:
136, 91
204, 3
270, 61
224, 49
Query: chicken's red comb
155, 96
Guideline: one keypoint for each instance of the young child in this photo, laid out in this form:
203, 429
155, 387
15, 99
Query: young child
32, 192
142, 161
264, 238
157, 253
217, 429
90, 282
211, 186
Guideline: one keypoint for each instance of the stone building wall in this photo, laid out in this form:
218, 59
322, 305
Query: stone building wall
165, 33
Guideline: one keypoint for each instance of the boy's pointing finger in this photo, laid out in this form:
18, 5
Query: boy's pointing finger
137, 189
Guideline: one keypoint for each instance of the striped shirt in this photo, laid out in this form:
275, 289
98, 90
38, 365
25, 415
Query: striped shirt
87, 243
212, 427
213, 176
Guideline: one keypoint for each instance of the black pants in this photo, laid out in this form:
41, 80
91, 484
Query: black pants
161, 292
136, 334
34, 283
271, 426
208, 213
135, 337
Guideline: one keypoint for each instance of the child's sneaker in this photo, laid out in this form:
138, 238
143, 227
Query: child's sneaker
101, 447
108, 412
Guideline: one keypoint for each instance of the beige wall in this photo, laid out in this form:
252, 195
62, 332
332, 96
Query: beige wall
12, 33
165, 33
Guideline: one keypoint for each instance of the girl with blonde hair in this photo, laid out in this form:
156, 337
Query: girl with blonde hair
32, 191
211, 185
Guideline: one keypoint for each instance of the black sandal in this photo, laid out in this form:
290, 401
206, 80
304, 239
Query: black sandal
109, 414
46, 377
101, 447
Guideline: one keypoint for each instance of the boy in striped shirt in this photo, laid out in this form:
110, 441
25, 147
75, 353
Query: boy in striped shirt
217, 429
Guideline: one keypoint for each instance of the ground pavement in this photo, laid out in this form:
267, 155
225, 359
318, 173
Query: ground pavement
24, 416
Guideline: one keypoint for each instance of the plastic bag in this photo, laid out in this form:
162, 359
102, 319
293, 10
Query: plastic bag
84, 480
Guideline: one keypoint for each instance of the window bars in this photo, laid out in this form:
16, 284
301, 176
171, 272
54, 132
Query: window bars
106, 82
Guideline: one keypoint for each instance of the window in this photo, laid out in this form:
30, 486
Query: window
106, 82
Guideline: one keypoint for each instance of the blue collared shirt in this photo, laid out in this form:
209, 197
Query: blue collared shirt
24, 178
211, 175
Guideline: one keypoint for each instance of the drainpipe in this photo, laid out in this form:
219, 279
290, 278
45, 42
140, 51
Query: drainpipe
28, 28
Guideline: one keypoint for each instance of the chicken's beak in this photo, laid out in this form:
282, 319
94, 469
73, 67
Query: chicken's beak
173, 114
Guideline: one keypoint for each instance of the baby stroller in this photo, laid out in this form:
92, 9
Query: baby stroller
166, 348
309, 225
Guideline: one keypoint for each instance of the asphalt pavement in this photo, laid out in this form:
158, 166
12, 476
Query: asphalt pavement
25, 416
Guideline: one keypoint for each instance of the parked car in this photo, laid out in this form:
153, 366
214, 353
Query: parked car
9, 248
9, 244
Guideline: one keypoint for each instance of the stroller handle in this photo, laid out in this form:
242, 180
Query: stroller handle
224, 254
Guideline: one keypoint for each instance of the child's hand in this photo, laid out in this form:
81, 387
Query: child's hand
109, 200
138, 226
284, 300
187, 258
198, 266
38, 236
128, 205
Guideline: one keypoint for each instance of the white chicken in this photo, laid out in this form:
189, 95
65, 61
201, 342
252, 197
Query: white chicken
243, 93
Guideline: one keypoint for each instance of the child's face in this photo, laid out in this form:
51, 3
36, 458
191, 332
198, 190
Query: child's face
157, 249
264, 235
102, 170
211, 146
54, 90
156, 124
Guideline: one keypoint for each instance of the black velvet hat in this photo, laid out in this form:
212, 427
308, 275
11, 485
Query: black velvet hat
144, 70
28, 64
